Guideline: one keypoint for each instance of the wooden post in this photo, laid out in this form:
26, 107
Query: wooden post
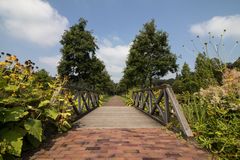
79, 102
167, 110
150, 102
153, 103
177, 108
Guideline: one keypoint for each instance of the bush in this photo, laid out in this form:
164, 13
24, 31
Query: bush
26, 108
214, 116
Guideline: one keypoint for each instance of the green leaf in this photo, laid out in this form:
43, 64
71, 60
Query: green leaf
11, 88
34, 127
50, 85
66, 124
3, 82
14, 139
1, 158
43, 103
12, 114
52, 113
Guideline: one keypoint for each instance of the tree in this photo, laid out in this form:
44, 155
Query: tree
78, 53
186, 82
204, 71
42, 76
185, 71
236, 64
218, 68
150, 56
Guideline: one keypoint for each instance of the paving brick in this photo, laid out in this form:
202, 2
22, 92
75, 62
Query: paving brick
109, 144
131, 142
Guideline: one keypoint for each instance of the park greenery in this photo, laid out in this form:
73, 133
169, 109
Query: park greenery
149, 57
209, 95
79, 62
27, 115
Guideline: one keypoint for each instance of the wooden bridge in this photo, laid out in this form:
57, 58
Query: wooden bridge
115, 131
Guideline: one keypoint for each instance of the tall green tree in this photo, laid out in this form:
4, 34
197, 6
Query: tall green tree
186, 82
43, 77
204, 71
185, 71
79, 62
78, 53
150, 56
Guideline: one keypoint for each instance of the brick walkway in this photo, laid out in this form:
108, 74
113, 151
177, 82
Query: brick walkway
154, 143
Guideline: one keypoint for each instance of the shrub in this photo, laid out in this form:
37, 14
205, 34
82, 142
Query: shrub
27, 113
214, 116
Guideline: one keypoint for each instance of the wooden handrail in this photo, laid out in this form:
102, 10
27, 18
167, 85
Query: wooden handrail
146, 101
86, 100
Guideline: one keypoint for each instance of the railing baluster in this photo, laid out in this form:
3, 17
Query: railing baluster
167, 110
79, 102
153, 103
85, 102
150, 101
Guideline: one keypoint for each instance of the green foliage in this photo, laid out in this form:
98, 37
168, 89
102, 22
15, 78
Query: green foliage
51, 113
79, 62
204, 71
12, 114
34, 127
78, 49
186, 82
236, 64
214, 116
207, 72
26, 108
42, 77
128, 99
149, 57
13, 139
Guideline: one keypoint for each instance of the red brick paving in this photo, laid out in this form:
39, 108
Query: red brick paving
120, 144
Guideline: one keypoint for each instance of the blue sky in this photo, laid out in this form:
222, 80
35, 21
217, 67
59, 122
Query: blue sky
31, 29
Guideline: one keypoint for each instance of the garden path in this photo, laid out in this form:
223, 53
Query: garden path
115, 131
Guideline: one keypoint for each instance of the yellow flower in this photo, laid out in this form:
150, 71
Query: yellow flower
13, 58
3, 63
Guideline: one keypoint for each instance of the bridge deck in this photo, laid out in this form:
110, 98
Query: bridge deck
117, 117
119, 133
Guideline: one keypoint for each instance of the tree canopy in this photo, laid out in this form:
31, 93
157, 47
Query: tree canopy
78, 50
79, 62
150, 57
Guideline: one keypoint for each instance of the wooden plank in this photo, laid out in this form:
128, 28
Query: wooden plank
150, 102
145, 102
79, 102
153, 104
156, 100
167, 109
180, 116
84, 101
73, 106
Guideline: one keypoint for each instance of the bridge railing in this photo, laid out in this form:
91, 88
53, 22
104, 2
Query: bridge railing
86, 101
161, 104
81, 101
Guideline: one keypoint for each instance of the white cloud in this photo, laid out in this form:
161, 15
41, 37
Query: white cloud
32, 20
114, 57
217, 24
50, 61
